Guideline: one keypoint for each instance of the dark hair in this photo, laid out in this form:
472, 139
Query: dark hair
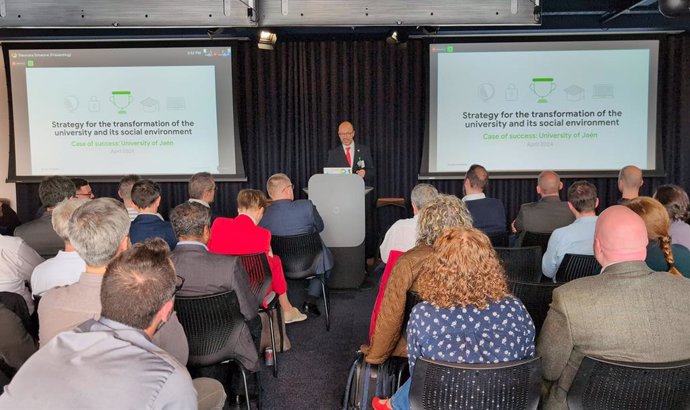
478, 176
582, 195
137, 283
675, 200
145, 192
189, 219
251, 199
79, 182
55, 189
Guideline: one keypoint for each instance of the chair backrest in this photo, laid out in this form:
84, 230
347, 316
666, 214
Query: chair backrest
16, 303
258, 274
298, 253
599, 383
536, 297
411, 299
540, 239
523, 264
212, 324
506, 386
575, 266
498, 238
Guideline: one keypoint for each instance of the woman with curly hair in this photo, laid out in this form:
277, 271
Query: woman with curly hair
468, 315
661, 255
675, 200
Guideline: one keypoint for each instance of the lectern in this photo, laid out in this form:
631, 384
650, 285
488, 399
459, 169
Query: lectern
340, 201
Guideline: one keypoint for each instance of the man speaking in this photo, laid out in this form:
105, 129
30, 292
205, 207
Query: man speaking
348, 155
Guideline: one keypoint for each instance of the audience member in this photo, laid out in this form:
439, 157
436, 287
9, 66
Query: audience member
402, 235
116, 351
16, 344
629, 183
488, 214
18, 261
546, 215
98, 232
286, 216
202, 189
208, 273
146, 196
467, 314
661, 254
124, 191
83, 189
675, 200
66, 267
628, 312
578, 237
9, 220
446, 211
242, 236
39, 233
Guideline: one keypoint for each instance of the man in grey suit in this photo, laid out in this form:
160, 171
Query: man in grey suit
546, 215
627, 313
287, 216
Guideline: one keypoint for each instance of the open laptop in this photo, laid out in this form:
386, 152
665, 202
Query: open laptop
337, 170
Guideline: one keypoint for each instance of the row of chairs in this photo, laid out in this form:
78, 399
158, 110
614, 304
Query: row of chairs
524, 264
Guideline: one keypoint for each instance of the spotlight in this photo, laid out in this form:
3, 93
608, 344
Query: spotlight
267, 40
393, 38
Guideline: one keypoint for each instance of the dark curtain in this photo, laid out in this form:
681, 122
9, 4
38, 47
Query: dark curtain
290, 102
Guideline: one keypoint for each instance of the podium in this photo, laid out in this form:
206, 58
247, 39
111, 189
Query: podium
340, 201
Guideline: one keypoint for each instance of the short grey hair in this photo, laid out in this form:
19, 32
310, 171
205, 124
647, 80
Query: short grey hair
97, 228
200, 183
422, 194
276, 183
124, 190
54, 189
62, 214
189, 219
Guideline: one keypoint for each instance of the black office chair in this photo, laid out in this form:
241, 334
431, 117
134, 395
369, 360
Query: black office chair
539, 239
455, 386
212, 325
300, 255
259, 277
523, 264
605, 384
498, 238
536, 297
575, 266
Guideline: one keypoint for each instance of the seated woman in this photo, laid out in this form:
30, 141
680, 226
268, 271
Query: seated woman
661, 255
242, 236
468, 315
675, 200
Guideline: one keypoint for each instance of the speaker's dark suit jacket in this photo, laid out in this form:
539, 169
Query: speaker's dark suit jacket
361, 159
207, 273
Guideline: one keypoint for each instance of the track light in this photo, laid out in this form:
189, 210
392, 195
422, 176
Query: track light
393, 38
267, 40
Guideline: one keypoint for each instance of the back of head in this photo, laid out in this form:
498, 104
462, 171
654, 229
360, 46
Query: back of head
62, 214
446, 211
549, 183
630, 177
276, 184
126, 184
422, 194
96, 230
582, 195
251, 199
54, 189
653, 214
137, 283
200, 183
620, 236
463, 270
189, 219
79, 182
145, 193
675, 200
478, 177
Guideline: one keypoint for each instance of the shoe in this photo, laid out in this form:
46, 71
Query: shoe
293, 315
381, 404
311, 309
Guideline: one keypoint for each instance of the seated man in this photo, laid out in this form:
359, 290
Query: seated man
39, 233
207, 273
67, 266
446, 211
402, 235
546, 215
124, 191
629, 183
628, 312
115, 352
146, 196
488, 214
286, 216
578, 237
98, 232
83, 189
202, 189
17, 261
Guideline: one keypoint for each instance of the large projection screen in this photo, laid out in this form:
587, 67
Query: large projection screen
583, 108
103, 110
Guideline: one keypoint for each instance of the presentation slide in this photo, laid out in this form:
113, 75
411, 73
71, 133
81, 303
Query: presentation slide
110, 112
524, 107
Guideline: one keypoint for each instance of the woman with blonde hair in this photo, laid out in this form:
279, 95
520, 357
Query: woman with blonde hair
661, 254
468, 314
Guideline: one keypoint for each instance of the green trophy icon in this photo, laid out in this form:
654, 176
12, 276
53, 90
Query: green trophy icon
121, 100
542, 87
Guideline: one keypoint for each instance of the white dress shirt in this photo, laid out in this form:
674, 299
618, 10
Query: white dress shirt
63, 269
17, 262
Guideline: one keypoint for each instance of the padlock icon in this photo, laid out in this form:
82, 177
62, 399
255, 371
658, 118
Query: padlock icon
511, 92
94, 104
